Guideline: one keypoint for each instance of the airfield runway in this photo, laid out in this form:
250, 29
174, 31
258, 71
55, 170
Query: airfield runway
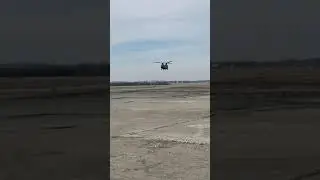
160, 132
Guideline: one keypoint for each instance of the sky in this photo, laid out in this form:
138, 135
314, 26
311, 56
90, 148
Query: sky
145, 31
54, 31
265, 30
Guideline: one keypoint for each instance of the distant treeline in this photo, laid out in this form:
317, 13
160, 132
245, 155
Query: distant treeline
309, 62
137, 83
46, 70
41, 70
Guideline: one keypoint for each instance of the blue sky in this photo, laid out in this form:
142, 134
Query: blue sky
144, 31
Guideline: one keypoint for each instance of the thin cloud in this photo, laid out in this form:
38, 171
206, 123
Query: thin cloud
143, 31
145, 45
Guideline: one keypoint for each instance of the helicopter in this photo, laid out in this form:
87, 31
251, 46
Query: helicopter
164, 65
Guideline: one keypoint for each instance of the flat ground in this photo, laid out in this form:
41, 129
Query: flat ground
266, 127
160, 132
53, 137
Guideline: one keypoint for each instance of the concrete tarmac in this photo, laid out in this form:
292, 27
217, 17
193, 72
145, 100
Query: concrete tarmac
264, 135
62, 138
160, 132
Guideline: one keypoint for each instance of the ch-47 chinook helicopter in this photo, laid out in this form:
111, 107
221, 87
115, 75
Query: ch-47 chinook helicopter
164, 65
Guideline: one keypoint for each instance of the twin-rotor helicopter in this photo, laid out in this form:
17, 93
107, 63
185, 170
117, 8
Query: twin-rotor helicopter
164, 65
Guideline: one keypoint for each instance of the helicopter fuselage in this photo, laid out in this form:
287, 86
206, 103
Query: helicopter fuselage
164, 66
